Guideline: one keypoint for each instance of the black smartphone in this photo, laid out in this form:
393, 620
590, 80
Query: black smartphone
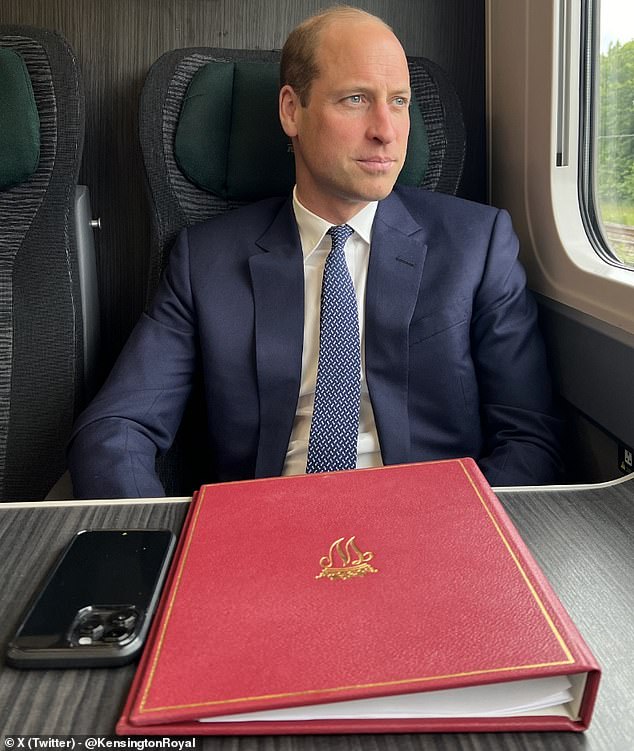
95, 607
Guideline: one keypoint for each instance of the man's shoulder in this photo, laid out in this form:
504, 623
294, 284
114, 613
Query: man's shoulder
430, 203
448, 221
249, 219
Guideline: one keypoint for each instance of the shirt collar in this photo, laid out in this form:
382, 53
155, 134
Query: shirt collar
312, 228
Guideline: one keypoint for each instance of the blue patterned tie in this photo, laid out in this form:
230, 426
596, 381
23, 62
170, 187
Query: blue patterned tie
335, 425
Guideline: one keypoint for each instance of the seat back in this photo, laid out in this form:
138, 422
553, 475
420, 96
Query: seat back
211, 141
41, 348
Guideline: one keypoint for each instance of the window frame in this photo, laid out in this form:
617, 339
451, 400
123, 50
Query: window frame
589, 118
534, 101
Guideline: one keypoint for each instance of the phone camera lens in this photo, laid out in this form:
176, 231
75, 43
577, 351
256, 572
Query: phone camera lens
91, 629
124, 619
94, 632
115, 634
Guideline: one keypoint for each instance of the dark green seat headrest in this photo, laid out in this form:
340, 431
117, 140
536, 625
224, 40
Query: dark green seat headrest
19, 121
229, 140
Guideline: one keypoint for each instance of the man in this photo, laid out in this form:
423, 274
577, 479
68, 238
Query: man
448, 359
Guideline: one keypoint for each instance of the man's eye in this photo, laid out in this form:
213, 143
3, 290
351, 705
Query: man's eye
401, 101
355, 98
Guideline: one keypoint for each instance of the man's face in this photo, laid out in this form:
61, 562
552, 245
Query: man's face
351, 138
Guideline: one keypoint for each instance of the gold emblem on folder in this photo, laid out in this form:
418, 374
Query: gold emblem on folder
345, 561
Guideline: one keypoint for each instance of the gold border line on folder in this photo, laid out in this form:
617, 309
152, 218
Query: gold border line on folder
168, 612
529, 583
335, 689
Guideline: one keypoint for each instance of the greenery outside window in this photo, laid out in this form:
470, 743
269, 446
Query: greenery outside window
613, 158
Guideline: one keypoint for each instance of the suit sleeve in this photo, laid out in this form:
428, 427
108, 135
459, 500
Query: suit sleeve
521, 429
136, 414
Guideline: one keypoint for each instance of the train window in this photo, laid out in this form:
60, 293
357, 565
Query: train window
544, 61
608, 173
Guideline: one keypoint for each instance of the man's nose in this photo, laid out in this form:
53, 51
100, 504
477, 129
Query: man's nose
381, 126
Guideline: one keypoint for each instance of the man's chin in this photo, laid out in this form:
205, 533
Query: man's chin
376, 190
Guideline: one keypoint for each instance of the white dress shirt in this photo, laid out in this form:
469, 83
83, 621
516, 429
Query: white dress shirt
316, 245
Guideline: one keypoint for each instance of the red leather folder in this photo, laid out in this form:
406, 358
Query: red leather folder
312, 590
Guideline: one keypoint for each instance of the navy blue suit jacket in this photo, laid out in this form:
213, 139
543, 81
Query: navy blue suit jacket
454, 361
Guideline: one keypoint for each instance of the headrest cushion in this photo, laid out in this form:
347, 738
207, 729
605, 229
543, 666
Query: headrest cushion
19, 121
229, 140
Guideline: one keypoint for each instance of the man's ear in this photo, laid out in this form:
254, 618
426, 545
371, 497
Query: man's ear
289, 105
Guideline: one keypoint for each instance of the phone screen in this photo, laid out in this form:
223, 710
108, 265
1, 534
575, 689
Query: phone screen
96, 605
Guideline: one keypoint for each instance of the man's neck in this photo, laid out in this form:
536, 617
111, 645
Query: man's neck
333, 213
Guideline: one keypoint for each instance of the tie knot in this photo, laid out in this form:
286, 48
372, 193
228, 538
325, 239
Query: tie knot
340, 233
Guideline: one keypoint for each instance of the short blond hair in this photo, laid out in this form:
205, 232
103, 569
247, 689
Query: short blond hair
298, 66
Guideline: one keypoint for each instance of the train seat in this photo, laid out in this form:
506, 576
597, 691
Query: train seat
43, 215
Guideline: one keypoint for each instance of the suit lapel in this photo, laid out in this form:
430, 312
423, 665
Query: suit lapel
277, 276
396, 263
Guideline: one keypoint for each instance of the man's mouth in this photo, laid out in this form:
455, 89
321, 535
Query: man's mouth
377, 165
